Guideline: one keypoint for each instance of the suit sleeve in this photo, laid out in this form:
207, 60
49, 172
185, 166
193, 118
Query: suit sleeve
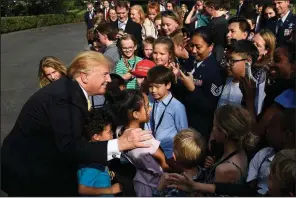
86, 17
67, 124
138, 34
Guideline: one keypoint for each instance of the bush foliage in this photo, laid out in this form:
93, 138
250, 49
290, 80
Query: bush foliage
11, 24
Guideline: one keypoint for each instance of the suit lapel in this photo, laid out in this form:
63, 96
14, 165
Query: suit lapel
128, 25
77, 97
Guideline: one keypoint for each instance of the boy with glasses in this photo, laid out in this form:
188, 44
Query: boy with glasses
239, 54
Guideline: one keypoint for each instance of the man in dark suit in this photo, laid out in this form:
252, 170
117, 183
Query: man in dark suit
125, 23
283, 24
89, 21
239, 6
41, 155
106, 5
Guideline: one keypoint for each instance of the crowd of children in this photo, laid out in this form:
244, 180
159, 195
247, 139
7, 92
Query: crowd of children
217, 91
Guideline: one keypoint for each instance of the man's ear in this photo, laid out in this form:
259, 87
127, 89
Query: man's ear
136, 47
84, 77
246, 34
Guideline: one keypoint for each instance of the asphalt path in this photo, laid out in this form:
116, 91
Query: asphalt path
20, 56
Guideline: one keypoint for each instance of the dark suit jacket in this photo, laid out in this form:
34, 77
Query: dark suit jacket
133, 29
40, 155
202, 102
282, 34
89, 21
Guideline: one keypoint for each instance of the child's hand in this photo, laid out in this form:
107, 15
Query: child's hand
163, 181
116, 188
127, 76
175, 68
209, 161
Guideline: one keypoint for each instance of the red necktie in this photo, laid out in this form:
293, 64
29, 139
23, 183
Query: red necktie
106, 13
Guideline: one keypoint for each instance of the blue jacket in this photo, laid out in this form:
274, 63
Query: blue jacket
283, 34
202, 102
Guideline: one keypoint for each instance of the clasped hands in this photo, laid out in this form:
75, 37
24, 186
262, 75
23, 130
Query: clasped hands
174, 180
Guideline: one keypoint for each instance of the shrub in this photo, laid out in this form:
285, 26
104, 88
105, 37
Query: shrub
11, 24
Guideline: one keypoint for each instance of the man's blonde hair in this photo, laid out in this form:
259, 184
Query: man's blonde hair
283, 169
85, 62
188, 148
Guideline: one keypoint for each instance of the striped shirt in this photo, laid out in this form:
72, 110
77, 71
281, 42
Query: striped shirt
122, 69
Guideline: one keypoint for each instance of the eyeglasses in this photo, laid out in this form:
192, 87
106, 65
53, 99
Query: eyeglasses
231, 61
127, 48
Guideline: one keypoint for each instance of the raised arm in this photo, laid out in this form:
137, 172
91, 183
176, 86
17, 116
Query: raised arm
190, 18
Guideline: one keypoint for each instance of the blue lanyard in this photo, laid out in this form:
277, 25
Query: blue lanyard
154, 129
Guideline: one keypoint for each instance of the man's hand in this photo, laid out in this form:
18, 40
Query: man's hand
134, 138
187, 81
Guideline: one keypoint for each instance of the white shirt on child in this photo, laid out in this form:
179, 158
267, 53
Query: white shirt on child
231, 94
259, 168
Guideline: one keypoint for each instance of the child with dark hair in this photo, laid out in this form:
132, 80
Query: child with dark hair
117, 84
240, 54
132, 110
94, 179
168, 114
107, 36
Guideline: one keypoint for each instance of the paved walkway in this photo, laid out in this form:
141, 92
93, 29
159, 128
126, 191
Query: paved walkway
20, 56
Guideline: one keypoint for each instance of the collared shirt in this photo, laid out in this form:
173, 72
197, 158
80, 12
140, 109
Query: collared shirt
112, 52
112, 146
285, 17
283, 20
231, 94
174, 120
122, 25
259, 168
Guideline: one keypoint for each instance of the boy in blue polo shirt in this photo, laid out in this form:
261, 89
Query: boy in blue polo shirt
168, 115
94, 179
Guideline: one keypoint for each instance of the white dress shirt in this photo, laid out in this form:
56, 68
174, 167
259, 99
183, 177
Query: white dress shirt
112, 146
285, 17
283, 20
122, 25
